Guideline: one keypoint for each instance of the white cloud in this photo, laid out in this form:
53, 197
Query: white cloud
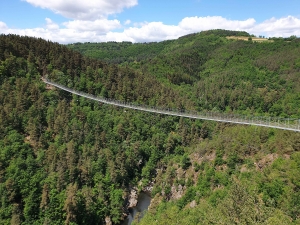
3, 27
51, 25
154, 31
102, 30
194, 24
283, 27
115, 36
84, 10
100, 26
127, 22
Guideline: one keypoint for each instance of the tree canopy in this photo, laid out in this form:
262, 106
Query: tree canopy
65, 159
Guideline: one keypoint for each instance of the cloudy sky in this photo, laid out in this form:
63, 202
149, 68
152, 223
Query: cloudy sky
69, 21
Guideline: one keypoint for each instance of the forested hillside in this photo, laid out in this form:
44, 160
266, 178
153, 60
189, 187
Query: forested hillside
221, 74
68, 160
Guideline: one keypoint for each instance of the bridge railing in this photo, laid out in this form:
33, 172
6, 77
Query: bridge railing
279, 123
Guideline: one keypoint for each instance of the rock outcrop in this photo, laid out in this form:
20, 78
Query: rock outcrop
132, 198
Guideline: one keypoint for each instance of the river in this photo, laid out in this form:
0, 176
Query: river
143, 204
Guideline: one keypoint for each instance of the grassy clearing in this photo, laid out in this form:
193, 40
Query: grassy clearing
246, 38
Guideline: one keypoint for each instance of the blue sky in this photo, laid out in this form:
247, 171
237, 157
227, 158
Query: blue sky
69, 21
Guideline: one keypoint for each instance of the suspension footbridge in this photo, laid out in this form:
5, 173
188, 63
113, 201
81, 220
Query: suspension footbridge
272, 122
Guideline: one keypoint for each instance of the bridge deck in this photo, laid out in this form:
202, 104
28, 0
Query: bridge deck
278, 123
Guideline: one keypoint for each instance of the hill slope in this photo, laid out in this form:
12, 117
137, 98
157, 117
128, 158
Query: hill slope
218, 73
66, 159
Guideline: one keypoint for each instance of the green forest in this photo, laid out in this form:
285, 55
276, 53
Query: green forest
65, 159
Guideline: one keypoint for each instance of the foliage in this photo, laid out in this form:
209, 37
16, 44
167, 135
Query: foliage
66, 159
245, 194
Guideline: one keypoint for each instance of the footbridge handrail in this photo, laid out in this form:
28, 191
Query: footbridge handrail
278, 123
